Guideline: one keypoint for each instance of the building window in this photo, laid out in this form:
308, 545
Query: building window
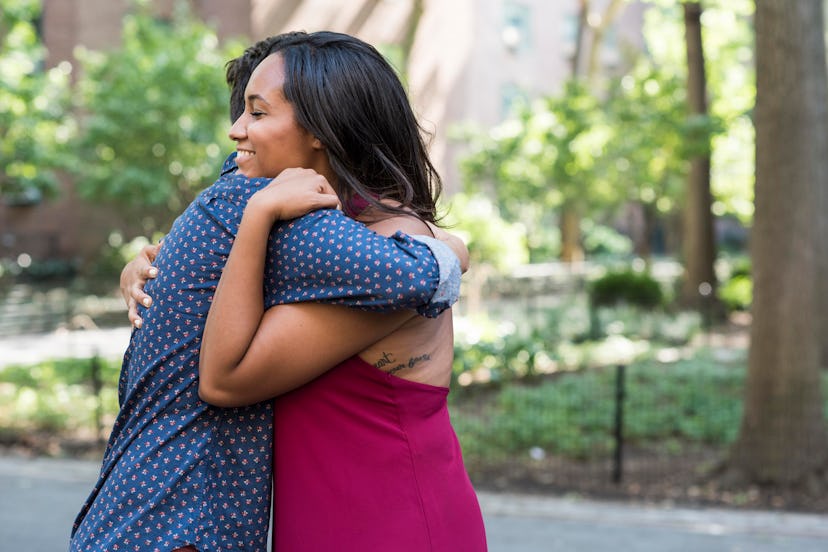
25, 196
511, 95
569, 32
516, 32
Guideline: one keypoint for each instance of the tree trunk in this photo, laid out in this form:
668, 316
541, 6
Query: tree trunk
577, 54
409, 36
570, 222
598, 32
698, 245
570, 225
649, 215
783, 436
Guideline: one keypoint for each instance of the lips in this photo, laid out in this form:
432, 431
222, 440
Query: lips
245, 163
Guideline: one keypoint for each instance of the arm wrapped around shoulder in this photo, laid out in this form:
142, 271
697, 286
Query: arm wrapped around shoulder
325, 256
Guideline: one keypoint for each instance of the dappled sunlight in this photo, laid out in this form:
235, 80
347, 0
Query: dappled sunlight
614, 350
617, 349
473, 329
669, 355
516, 339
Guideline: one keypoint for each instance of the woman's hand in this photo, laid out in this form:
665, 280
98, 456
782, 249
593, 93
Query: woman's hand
134, 277
292, 194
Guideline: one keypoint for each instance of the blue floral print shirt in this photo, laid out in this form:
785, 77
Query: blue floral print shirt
177, 471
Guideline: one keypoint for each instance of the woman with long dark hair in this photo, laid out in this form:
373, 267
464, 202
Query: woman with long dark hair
365, 457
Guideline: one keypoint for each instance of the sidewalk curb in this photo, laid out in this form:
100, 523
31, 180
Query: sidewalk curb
713, 521
710, 521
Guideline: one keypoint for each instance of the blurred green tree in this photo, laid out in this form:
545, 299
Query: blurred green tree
34, 103
600, 145
541, 161
646, 157
588, 156
153, 129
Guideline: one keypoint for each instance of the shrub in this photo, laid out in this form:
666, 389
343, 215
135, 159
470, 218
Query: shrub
56, 395
737, 292
600, 240
689, 402
627, 286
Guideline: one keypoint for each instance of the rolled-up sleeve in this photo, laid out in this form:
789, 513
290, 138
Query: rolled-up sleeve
448, 288
327, 257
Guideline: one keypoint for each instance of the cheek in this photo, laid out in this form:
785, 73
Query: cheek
281, 146
267, 146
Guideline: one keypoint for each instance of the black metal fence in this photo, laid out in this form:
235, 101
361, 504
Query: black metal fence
611, 440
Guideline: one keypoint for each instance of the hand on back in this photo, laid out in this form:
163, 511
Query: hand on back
293, 193
134, 277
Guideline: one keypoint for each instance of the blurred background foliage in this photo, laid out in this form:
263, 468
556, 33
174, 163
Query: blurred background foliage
595, 148
36, 128
178, 122
599, 148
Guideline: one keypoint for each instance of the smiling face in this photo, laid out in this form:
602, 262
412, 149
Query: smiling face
268, 138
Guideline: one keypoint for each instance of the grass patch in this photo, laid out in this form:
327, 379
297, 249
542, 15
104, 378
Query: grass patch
697, 400
56, 396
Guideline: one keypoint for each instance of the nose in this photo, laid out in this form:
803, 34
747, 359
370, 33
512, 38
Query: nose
239, 129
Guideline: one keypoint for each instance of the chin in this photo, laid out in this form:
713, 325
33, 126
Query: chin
249, 172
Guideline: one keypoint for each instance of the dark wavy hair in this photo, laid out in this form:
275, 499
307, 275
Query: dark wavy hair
347, 95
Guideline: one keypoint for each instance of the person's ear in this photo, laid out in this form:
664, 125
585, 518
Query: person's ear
316, 143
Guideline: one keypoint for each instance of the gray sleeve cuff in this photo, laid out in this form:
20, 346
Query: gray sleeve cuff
448, 289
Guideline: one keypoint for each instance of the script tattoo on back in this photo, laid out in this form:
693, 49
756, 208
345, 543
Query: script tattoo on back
387, 359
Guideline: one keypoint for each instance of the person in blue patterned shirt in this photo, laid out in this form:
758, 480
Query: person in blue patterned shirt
177, 473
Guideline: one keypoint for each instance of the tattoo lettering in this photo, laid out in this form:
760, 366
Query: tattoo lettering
411, 363
385, 360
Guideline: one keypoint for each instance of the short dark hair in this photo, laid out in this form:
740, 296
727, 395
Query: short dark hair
348, 96
238, 71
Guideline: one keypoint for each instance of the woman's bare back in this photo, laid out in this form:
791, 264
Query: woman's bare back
422, 349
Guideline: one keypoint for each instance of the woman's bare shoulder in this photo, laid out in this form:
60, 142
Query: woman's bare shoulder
408, 224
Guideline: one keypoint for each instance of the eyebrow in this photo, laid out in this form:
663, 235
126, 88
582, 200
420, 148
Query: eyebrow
253, 97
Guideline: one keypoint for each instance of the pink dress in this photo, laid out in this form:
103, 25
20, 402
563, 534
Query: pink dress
365, 461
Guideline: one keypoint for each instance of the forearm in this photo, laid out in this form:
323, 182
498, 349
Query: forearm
293, 345
237, 306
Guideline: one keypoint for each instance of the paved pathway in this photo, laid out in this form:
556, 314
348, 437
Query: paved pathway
40, 497
31, 348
